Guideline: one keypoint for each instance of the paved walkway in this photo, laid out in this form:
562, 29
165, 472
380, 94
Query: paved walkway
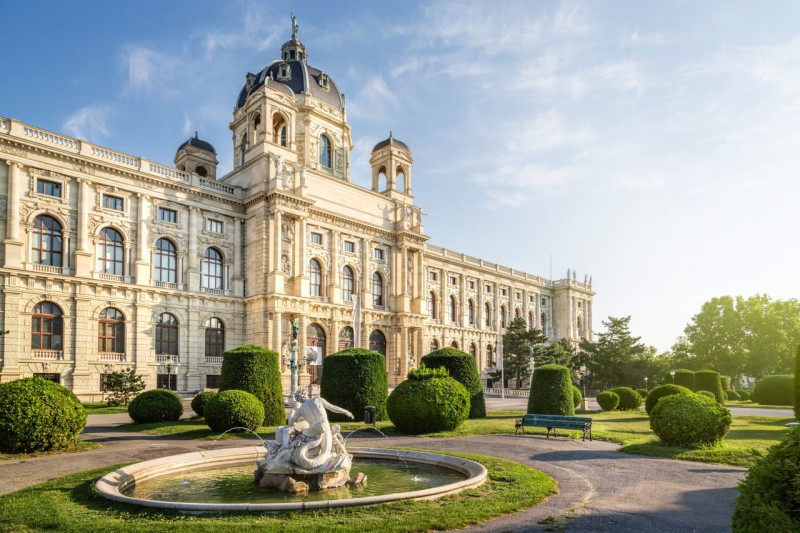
600, 489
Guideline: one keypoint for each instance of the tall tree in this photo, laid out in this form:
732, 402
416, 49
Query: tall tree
518, 341
610, 358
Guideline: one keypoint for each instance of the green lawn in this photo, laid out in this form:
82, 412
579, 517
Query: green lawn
70, 504
102, 408
750, 405
80, 446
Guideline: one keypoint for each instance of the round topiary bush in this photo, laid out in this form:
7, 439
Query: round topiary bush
427, 402
660, 392
629, 399
234, 409
199, 401
732, 395
464, 369
707, 394
608, 400
689, 420
256, 370
710, 380
38, 415
551, 391
777, 389
155, 405
577, 397
354, 379
744, 394
643, 393
684, 378
768, 498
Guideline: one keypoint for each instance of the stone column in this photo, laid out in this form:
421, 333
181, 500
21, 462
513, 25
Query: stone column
193, 271
237, 285
14, 248
334, 294
142, 264
301, 287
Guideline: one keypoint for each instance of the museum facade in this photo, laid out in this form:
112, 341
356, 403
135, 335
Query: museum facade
111, 261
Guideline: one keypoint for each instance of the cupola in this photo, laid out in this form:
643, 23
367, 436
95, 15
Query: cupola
391, 168
197, 156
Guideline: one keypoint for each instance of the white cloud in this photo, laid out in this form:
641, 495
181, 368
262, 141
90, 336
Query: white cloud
88, 123
259, 30
149, 69
187, 125
374, 100
637, 38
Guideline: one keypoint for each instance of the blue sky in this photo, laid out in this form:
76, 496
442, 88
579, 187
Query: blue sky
653, 145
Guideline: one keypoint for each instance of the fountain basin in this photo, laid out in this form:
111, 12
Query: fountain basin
114, 484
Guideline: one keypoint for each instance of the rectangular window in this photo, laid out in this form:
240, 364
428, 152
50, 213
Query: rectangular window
489, 289
471, 284
55, 378
112, 202
453, 280
544, 301
215, 226
350, 247
432, 276
580, 305
167, 381
167, 215
502, 292
519, 295
50, 188
532, 299
316, 238
212, 381
379, 254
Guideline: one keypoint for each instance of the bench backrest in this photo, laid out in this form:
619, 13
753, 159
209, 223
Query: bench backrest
539, 419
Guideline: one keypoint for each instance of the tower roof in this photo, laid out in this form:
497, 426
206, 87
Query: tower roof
197, 143
391, 141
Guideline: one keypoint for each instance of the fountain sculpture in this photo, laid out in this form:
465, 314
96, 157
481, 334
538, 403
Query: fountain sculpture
308, 454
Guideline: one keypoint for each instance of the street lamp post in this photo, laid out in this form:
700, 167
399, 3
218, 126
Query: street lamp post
645, 383
583, 371
169, 372
672, 374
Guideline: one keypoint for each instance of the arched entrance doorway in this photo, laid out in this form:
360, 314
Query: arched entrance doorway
377, 341
345, 338
315, 351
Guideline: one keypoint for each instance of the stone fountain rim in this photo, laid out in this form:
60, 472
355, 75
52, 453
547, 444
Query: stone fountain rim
111, 485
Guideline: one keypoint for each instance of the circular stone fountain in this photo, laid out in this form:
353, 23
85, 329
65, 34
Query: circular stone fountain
119, 484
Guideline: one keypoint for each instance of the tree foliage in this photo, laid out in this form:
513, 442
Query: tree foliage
122, 386
521, 342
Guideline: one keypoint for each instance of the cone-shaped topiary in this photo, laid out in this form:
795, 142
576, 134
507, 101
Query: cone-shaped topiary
199, 401
643, 393
629, 399
354, 379
689, 420
744, 394
777, 389
256, 370
684, 378
709, 380
797, 383
732, 395
726, 382
155, 405
464, 369
577, 397
38, 415
768, 495
660, 392
551, 391
608, 400
427, 402
233, 409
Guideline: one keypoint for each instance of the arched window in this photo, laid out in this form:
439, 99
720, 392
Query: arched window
454, 344
212, 269
489, 355
453, 310
111, 333
473, 350
400, 180
377, 289
517, 313
346, 338
432, 307
110, 252
315, 344
434, 344
166, 335
382, 182
166, 261
201, 171
47, 327
325, 158
279, 130
471, 312
256, 126
503, 316
348, 283
488, 312
215, 337
46, 241
377, 341
315, 277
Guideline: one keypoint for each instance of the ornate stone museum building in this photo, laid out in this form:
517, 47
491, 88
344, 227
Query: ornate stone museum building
109, 260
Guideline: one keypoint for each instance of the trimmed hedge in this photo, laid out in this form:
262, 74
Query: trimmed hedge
744, 394
199, 401
232, 409
777, 389
732, 395
428, 403
38, 415
629, 399
689, 420
608, 400
684, 378
577, 397
256, 370
643, 393
464, 369
709, 380
660, 392
155, 405
707, 394
551, 391
797, 383
354, 379
726, 383
768, 498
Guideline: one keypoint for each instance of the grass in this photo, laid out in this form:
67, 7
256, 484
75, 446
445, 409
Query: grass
72, 505
80, 446
750, 405
102, 408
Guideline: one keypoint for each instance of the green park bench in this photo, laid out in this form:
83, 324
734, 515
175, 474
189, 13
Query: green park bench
553, 422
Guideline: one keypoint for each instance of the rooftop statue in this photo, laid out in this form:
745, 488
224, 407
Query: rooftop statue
295, 25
